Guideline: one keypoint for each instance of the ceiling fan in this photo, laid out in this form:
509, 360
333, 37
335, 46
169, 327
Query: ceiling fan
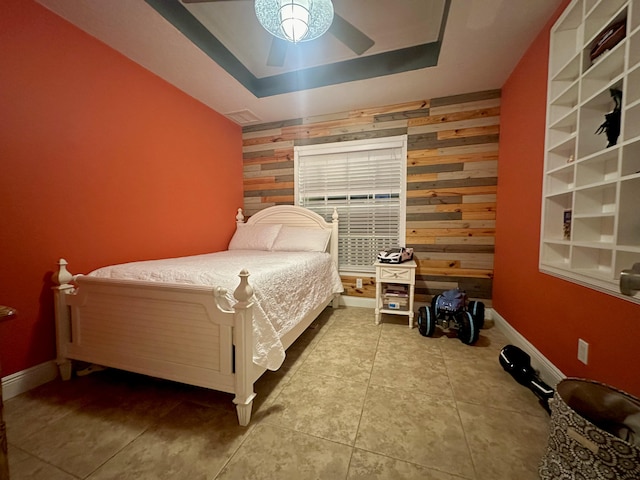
340, 28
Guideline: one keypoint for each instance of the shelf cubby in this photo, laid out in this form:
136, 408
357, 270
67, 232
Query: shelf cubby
564, 105
556, 206
564, 128
591, 117
597, 200
556, 254
567, 40
597, 169
561, 154
630, 158
634, 18
634, 49
592, 260
605, 14
593, 229
629, 219
607, 69
561, 180
631, 128
566, 77
626, 257
632, 91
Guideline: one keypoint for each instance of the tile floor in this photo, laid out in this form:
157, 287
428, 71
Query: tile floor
353, 401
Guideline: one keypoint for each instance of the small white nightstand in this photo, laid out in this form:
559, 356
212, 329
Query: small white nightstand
392, 281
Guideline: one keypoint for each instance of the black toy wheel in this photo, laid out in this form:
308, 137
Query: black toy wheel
434, 304
468, 331
477, 310
426, 321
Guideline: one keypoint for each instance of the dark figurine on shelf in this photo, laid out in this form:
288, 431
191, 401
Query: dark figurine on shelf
611, 125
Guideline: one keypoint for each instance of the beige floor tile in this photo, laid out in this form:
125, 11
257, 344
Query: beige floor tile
504, 446
414, 427
23, 466
319, 405
410, 362
414, 373
352, 334
33, 410
488, 346
86, 439
354, 315
267, 389
350, 361
494, 387
192, 442
371, 466
304, 345
271, 453
400, 336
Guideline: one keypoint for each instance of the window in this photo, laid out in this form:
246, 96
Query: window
365, 181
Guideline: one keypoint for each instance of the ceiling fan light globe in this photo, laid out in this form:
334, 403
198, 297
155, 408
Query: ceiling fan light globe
294, 29
294, 19
316, 20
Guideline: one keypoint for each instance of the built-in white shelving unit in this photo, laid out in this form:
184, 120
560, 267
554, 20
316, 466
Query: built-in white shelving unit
591, 195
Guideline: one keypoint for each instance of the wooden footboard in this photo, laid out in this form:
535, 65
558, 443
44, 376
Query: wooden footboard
179, 333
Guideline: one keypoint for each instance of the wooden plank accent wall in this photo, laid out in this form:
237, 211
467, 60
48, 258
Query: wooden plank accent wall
452, 167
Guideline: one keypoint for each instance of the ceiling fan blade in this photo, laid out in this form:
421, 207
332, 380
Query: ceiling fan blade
277, 52
350, 35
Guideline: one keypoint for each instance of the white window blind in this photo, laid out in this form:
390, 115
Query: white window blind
365, 181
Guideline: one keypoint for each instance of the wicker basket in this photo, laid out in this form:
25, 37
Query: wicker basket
594, 433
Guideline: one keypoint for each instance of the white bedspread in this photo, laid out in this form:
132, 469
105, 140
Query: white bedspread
287, 285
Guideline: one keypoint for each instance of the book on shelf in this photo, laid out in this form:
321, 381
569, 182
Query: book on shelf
395, 294
566, 225
397, 290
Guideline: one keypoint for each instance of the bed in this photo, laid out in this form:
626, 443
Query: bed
205, 328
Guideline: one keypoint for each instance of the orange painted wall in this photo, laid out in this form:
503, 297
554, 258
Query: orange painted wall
551, 313
100, 162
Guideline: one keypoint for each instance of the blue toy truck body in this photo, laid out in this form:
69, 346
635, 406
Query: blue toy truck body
452, 309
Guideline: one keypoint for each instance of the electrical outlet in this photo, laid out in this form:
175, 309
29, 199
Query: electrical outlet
358, 283
583, 351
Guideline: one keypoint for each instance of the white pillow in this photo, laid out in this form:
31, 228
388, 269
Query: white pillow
254, 237
301, 239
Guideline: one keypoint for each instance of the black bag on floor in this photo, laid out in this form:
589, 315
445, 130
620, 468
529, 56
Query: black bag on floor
517, 363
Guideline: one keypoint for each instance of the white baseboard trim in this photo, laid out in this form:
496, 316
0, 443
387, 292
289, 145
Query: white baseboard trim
362, 302
549, 373
23, 381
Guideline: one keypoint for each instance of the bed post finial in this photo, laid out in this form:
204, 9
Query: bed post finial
240, 216
334, 216
62, 276
61, 289
244, 291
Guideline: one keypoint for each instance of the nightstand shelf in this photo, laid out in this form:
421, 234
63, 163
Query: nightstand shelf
395, 289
